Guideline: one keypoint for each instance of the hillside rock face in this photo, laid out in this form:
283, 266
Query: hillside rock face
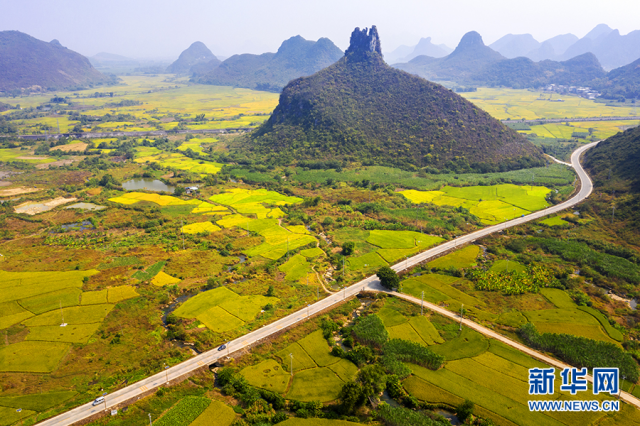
295, 58
195, 54
360, 109
26, 62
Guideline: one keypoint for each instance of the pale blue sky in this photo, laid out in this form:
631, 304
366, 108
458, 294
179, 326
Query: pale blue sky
163, 28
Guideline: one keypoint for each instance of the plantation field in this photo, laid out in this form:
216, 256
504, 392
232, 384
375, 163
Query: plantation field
49, 301
326, 385
161, 200
37, 402
218, 320
217, 414
71, 333
253, 202
200, 227
181, 162
74, 315
405, 332
318, 349
120, 293
426, 330
22, 285
519, 103
600, 129
469, 343
267, 375
295, 421
438, 288
344, 369
184, 412
367, 261
301, 359
568, 321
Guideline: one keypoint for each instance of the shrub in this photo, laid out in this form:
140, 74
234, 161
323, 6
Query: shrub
348, 248
388, 277
464, 410
370, 330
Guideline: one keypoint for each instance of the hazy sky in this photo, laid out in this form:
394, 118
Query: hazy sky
163, 28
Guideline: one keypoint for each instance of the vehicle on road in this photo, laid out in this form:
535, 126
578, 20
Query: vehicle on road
222, 348
98, 400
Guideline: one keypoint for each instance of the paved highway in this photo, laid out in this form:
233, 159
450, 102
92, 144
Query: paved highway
207, 358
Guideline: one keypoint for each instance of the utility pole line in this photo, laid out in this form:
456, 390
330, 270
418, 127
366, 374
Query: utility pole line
291, 356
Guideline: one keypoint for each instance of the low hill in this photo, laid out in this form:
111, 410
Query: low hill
26, 62
361, 109
613, 166
295, 58
195, 54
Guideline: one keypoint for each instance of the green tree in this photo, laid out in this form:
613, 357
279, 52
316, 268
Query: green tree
464, 410
388, 277
351, 397
178, 191
271, 291
373, 379
348, 248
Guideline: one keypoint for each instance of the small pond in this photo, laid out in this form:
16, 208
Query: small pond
147, 184
86, 206
78, 226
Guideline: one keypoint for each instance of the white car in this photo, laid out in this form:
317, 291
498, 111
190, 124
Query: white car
98, 400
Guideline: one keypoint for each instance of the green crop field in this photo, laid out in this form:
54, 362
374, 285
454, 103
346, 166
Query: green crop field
150, 272
426, 330
318, 349
50, 301
493, 204
9, 416
558, 297
162, 279
268, 375
513, 319
120, 293
405, 332
391, 317
295, 268
301, 359
22, 285
612, 332
184, 412
435, 290
326, 385
247, 307
9, 320
507, 265
200, 227
463, 258
367, 261
94, 297
37, 402
217, 414
513, 355
74, 315
79, 333
344, 369
252, 202
310, 253
469, 343
34, 357
218, 320
203, 301
554, 221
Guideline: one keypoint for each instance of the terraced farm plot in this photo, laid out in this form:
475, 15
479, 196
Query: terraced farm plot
318, 349
435, 290
200, 228
614, 333
22, 285
88, 314
9, 416
37, 402
463, 258
182, 162
405, 332
34, 357
120, 293
210, 209
217, 414
295, 268
568, 321
218, 320
162, 279
513, 319
310, 253
247, 307
390, 317
9, 320
161, 200
54, 300
267, 375
492, 204
326, 385
252, 201
150, 272
301, 359
79, 333
559, 298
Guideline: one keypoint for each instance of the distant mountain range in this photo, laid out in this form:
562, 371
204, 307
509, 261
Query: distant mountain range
424, 47
26, 62
360, 109
295, 58
118, 64
196, 54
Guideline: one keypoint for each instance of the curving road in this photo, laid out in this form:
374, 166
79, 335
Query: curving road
143, 387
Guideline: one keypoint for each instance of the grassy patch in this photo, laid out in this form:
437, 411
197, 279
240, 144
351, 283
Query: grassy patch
318, 349
150, 272
267, 375
75, 315
203, 301
33, 357
554, 221
301, 359
122, 292
217, 414
218, 320
463, 258
326, 385
469, 343
120, 261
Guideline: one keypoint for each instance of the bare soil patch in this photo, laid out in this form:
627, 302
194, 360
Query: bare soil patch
17, 191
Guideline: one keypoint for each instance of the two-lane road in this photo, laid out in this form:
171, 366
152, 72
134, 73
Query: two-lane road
207, 358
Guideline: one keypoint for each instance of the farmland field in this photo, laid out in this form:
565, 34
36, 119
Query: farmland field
326, 385
268, 375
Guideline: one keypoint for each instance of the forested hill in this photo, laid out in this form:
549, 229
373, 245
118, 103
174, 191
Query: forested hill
26, 61
361, 109
623, 82
613, 166
295, 58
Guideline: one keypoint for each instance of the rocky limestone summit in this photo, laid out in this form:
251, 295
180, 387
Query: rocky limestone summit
363, 42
